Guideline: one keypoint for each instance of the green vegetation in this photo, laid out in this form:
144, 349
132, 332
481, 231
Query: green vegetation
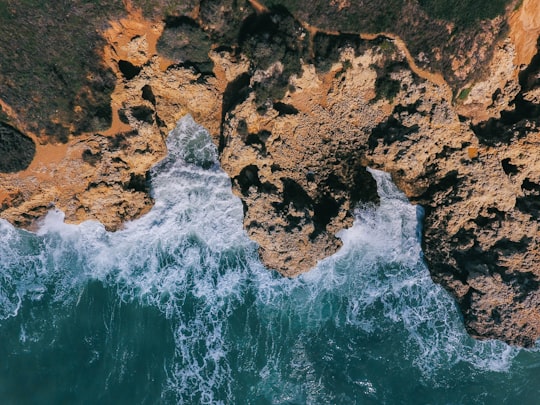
345, 65
222, 19
50, 63
463, 94
4, 11
464, 12
3, 116
16, 149
267, 39
165, 8
377, 16
327, 48
368, 16
423, 25
185, 42
387, 47
386, 88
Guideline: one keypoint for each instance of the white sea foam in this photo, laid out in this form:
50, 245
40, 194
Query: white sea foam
190, 257
384, 248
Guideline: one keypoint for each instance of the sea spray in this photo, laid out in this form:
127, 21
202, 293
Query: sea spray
180, 293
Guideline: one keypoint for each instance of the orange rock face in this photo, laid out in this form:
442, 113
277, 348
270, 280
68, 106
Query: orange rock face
524, 31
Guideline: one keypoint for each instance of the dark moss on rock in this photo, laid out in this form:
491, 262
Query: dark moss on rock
185, 42
143, 113
92, 158
274, 39
139, 113
464, 12
327, 48
16, 149
223, 19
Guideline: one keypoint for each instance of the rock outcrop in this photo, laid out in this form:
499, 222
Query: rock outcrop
298, 113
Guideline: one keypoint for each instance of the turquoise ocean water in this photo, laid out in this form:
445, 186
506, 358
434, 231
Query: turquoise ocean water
177, 308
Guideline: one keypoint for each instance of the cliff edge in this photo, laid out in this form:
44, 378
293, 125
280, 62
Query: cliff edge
299, 103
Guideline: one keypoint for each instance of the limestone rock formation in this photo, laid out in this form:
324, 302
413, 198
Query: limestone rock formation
298, 112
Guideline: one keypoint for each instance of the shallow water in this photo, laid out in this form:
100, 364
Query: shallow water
177, 308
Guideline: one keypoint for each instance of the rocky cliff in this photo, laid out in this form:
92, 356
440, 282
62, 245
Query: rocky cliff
299, 103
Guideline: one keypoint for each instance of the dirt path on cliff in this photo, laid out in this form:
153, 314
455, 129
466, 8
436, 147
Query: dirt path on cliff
435, 78
432, 77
